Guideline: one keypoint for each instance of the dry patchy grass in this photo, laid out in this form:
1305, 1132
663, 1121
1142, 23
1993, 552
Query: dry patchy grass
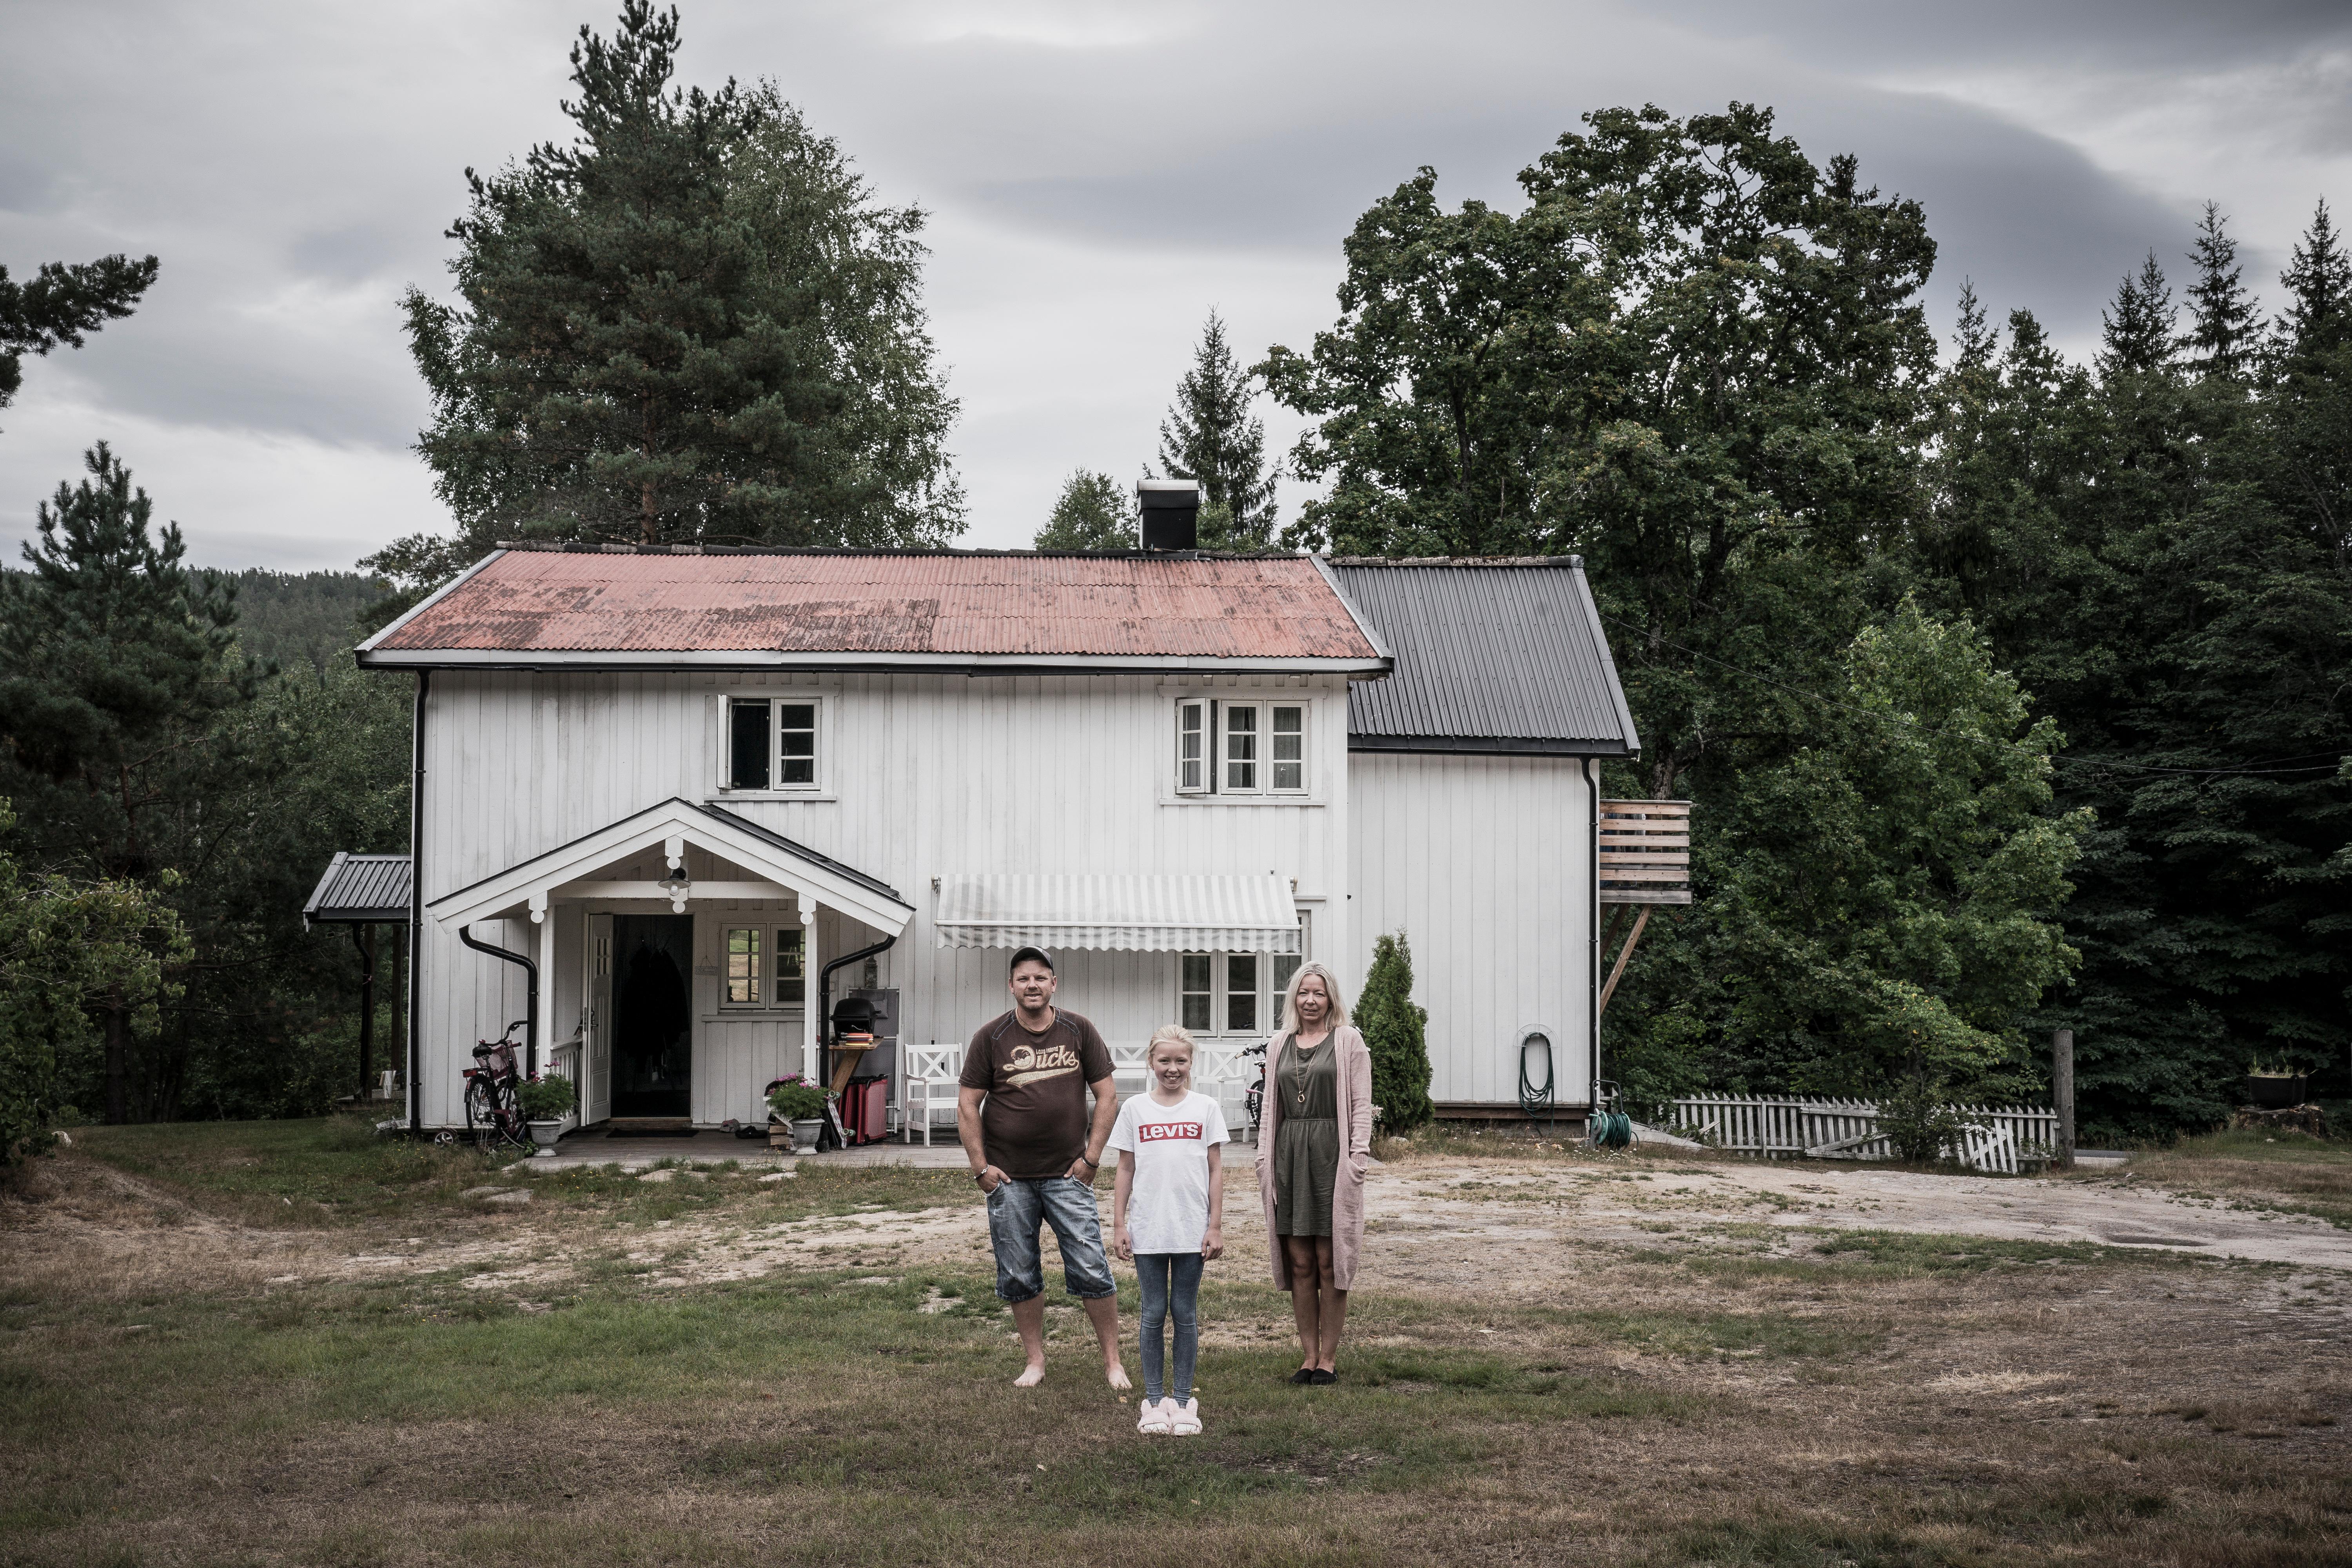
2288, 1173
1866, 1398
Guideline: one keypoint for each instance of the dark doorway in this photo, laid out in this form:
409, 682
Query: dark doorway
653, 1016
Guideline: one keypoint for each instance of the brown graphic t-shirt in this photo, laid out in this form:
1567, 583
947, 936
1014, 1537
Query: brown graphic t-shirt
1034, 1121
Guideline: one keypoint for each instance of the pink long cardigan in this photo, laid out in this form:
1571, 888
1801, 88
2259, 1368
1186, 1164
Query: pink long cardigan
1355, 1138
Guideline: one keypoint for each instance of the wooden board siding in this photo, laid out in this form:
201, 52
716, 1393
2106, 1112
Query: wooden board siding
928, 776
1485, 862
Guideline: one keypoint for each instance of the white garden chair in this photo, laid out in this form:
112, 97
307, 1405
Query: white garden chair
927, 1086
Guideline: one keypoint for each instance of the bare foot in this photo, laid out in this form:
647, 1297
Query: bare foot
1031, 1375
1118, 1375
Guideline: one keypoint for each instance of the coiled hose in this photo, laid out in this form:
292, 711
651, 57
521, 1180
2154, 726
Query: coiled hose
1534, 1098
1606, 1128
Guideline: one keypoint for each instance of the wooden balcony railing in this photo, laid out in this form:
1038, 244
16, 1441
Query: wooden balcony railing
1644, 861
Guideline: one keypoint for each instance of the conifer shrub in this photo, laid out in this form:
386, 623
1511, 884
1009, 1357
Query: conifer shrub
1395, 1027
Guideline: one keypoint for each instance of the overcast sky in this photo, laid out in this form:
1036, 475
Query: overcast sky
1100, 175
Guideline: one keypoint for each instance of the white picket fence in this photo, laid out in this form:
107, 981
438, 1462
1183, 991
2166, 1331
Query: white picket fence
1993, 1139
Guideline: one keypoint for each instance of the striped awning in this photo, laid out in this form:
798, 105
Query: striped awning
1132, 914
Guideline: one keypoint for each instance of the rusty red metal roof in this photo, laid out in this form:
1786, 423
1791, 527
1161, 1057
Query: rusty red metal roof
540, 606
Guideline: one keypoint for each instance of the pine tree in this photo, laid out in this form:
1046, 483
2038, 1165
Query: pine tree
115, 659
2318, 281
2226, 327
1208, 435
692, 325
60, 305
1394, 1029
1093, 514
2136, 339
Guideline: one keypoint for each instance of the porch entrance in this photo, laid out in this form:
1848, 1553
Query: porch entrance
653, 1018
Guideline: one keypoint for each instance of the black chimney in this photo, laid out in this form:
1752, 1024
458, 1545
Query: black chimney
1172, 513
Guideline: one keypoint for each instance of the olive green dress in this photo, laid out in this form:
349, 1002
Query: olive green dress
1306, 1142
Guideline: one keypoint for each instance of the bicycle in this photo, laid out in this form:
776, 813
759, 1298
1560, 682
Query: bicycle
1254, 1102
492, 1114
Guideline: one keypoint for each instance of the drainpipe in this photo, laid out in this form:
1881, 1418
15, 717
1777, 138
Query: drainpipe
1592, 948
416, 914
531, 995
824, 993
363, 938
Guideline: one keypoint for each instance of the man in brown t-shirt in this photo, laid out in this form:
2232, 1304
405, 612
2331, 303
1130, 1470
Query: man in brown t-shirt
1021, 1111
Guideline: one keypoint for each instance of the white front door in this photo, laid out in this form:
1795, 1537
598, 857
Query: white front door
596, 1023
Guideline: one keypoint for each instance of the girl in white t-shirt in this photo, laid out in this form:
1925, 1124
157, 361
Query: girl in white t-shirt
1167, 1214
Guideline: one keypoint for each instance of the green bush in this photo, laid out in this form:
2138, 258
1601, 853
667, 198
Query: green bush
547, 1099
1920, 1121
1394, 1027
796, 1099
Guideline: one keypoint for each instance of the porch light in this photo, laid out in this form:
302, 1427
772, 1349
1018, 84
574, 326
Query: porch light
675, 885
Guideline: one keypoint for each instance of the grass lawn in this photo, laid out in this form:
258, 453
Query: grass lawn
292, 1343
2287, 1173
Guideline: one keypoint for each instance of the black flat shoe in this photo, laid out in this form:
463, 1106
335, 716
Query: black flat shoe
1304, 1374
1318, 1377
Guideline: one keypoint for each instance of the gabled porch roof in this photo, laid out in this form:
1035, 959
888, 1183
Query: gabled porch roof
782, 866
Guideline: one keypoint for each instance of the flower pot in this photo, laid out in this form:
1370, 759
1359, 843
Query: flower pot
545, 1133
805, 1134
2267, 1091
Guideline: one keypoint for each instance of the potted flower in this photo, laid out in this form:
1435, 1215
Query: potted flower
545, 1102
2275, 1088
799, 1103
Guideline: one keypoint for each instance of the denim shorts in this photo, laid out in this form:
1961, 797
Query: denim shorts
1017, 1208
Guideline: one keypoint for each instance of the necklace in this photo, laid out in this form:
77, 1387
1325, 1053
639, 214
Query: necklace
1304, 1051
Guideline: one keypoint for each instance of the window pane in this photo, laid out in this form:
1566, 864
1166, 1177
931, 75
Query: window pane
1285, 965
1241, 748
1241, 992
796, 731
743, 964
1196, 975
1191, 740
1290, 748
747, 745
790, 985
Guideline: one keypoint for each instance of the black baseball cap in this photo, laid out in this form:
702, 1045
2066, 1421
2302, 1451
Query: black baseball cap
1031, 954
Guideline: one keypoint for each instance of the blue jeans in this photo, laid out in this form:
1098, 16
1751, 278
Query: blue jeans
1172, 1288
1017, 1208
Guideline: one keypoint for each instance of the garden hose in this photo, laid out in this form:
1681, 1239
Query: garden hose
1605, 1128
1535, 1098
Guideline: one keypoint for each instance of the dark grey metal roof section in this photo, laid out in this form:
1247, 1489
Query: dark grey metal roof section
1492, 655
737, 819
360, 890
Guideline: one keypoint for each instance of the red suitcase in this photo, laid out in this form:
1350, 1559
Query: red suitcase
864, 1109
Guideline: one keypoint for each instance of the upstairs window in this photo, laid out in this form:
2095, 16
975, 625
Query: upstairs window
1254, 748
771, 743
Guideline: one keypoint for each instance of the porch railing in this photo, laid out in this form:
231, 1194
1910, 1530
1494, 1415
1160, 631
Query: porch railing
928, 1075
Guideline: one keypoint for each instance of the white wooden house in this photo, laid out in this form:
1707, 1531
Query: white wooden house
680, 783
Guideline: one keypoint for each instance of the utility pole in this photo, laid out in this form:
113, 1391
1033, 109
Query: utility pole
2062, 1091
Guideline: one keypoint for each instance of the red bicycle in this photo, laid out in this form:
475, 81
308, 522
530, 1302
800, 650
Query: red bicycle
492, 1114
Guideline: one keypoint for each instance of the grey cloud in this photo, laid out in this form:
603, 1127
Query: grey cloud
2188, 35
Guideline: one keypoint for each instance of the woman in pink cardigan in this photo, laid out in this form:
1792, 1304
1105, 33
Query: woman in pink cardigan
1314, 1144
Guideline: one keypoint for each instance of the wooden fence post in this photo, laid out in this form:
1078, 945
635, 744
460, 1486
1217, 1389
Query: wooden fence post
2061, 1093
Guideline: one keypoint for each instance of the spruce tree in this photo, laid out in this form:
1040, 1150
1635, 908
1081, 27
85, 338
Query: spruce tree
2318, 282
1208, 435
2137, 338
692, 325
2225, 328
1394, 1029
1092, 513
60, 305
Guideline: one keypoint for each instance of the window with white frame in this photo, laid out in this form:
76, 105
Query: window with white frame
1235, 993
761, 966
1233, 746
771, 743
